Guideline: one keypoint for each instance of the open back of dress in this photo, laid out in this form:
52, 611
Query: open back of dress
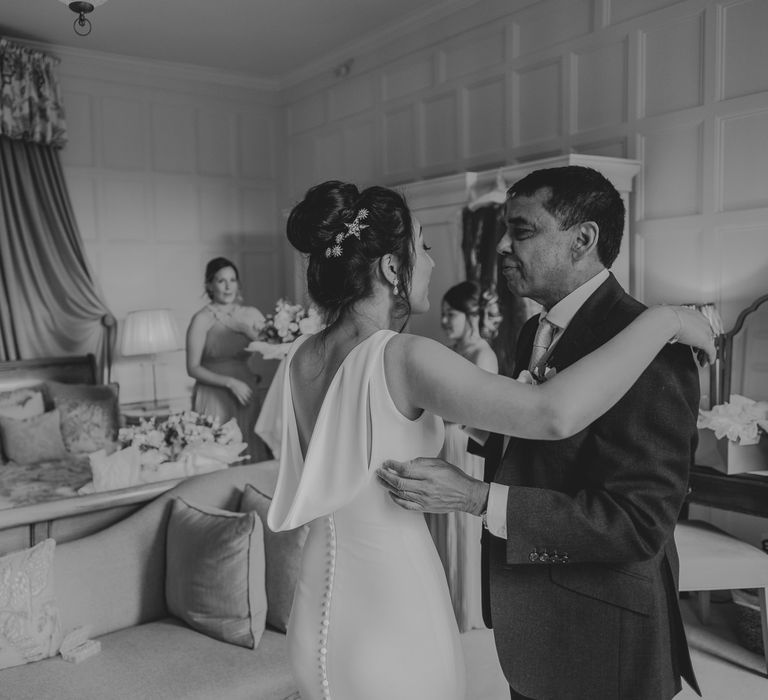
372, 617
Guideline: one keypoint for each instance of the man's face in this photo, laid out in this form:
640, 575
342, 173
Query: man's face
535, 252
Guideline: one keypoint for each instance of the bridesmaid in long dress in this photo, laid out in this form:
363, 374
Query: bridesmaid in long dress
216, 356
457, 535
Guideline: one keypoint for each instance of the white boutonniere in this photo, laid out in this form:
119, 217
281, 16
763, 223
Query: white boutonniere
527, 377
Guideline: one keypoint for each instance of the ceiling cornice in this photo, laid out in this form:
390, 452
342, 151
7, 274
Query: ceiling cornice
159, 69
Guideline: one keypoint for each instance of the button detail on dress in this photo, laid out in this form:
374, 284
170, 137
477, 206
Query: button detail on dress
326, 609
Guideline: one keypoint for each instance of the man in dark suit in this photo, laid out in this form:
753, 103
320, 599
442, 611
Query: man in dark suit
583, 566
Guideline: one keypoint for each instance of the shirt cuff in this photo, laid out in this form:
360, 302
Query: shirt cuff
496, 514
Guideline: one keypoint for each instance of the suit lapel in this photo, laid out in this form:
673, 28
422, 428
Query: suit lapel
582, 336
584, 333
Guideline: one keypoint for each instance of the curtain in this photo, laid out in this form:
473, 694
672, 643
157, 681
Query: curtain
482, 228
50, 303
30, 105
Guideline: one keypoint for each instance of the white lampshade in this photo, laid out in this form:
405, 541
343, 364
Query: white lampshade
149, 332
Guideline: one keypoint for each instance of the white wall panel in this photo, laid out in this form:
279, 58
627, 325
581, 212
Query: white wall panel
483, 51
674, 65
123, 209
672, 173
537, 103
307, 113
175, 205
257, 210
611, 149
350, 96
744, 150
407, 77
399, 141
80, 147
548, 23
126, 133
439, 129
626, 9
671, 265
216, 213
302, 164
256, 136
173, 138
215, 141
329, 157
360, 152
744, 35
486, 110
601, 84
743, 269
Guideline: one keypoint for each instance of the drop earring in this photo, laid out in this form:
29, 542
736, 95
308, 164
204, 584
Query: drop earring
395, 290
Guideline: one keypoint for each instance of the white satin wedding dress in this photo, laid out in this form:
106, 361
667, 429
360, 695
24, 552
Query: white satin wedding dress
372, 616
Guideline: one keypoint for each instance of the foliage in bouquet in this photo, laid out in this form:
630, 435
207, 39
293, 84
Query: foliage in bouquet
180, 433
288, 322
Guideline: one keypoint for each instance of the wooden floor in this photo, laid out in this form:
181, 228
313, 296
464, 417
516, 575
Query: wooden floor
725, 669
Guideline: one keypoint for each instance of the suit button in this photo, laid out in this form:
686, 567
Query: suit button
533, 557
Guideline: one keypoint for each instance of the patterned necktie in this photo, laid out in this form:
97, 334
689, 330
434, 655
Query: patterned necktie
544, 335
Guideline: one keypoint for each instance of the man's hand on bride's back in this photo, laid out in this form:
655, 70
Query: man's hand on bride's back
696, 331
432, 486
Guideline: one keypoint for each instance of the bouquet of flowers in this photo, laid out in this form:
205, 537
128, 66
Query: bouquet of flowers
154, 450
282, 327
183, 433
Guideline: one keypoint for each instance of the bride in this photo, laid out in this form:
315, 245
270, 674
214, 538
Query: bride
372, 616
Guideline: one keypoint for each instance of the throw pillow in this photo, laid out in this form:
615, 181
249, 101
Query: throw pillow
88, 426
90, 415
23, 406
282, 556
29, 620
32, 440
215, 572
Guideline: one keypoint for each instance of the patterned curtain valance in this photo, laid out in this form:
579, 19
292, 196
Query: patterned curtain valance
30, 104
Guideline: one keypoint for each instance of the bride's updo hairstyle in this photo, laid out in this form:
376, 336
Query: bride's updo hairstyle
341, 274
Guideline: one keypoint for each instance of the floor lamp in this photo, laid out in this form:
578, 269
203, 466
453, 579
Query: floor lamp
150, 332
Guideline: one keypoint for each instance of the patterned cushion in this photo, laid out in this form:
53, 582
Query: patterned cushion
32, 440
29, 620
22, 404
282, 555
215, 572
89, 415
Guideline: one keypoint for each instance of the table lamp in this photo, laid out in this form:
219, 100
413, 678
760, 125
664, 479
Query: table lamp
150, 332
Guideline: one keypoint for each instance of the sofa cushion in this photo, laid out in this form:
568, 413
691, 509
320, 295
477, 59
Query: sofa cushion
29, 619
32, 440
282, 556
215, 572
90, 415
22, 404
161, 660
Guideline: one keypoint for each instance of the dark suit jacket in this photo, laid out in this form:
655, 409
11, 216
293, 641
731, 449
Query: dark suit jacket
584, 590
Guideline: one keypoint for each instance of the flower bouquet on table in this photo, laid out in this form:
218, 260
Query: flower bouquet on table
282, 327
182, 445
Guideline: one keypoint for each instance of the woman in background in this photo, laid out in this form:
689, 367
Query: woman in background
217, 359
457, 534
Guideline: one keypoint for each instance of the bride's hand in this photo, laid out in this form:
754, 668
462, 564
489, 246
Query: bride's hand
695, 330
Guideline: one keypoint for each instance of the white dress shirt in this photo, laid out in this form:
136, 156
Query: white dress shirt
559, 315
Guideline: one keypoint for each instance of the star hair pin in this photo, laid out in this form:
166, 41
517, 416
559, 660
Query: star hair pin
353, 229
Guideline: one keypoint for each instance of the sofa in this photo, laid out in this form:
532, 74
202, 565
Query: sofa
114, 583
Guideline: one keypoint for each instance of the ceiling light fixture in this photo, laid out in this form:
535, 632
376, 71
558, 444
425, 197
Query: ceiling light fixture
82, 25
